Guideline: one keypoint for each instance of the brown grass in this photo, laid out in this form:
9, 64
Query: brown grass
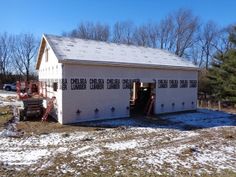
38, 127
228, 134
5, 115
224, 109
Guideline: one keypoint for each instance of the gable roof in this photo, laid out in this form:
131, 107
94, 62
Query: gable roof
75, 50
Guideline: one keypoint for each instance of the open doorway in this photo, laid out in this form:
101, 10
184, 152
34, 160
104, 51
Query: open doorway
142, 98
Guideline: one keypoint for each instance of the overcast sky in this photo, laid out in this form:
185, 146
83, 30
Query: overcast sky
56, 16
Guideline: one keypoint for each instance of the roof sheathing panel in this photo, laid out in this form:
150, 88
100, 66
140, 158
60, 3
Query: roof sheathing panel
74, 49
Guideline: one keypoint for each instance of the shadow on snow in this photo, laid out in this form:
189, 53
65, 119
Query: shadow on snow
202, 118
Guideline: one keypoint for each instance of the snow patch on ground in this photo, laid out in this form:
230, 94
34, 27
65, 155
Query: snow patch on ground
221, 158
216, 157
202, 118
122, 145
89, 152
184, 135
9, 99
164, 155
86, 151
26, 157
62, 150
52, 139
154, 149
146, 130
28, 150
5, 94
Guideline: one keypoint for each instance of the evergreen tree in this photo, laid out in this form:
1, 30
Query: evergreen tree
222, 74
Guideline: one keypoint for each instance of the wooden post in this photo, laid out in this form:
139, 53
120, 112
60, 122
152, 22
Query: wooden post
41, 88
46, 91
134, 91
208, 104
219, 105
18, 88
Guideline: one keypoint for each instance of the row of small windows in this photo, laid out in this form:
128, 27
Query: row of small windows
98, 84
95, 84
48, 69
177, 83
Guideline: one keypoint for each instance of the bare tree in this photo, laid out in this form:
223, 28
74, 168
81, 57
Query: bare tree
89, 30
123, 32
24, 52
146, 35
232, 37
101, 32
141, 36
177, 32
196, 54
5, 53
208, 40
153, 34
83, 31
186, 26
166, 33
223, 43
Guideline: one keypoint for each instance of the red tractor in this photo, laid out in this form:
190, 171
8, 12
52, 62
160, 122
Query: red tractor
32, 94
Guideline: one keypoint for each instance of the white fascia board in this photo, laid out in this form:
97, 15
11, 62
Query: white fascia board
136, 65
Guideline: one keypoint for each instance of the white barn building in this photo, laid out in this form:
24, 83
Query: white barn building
94, 80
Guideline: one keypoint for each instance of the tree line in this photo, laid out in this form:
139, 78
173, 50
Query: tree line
219, 82
17, 56
180, 32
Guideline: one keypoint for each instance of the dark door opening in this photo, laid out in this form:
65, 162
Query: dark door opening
142, 98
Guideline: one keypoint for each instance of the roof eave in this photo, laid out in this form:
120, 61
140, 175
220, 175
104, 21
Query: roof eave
122, 64
40, 52
43, 43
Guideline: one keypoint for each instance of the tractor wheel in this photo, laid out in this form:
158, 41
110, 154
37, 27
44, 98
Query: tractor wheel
8, 88
21, 115
24, 118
